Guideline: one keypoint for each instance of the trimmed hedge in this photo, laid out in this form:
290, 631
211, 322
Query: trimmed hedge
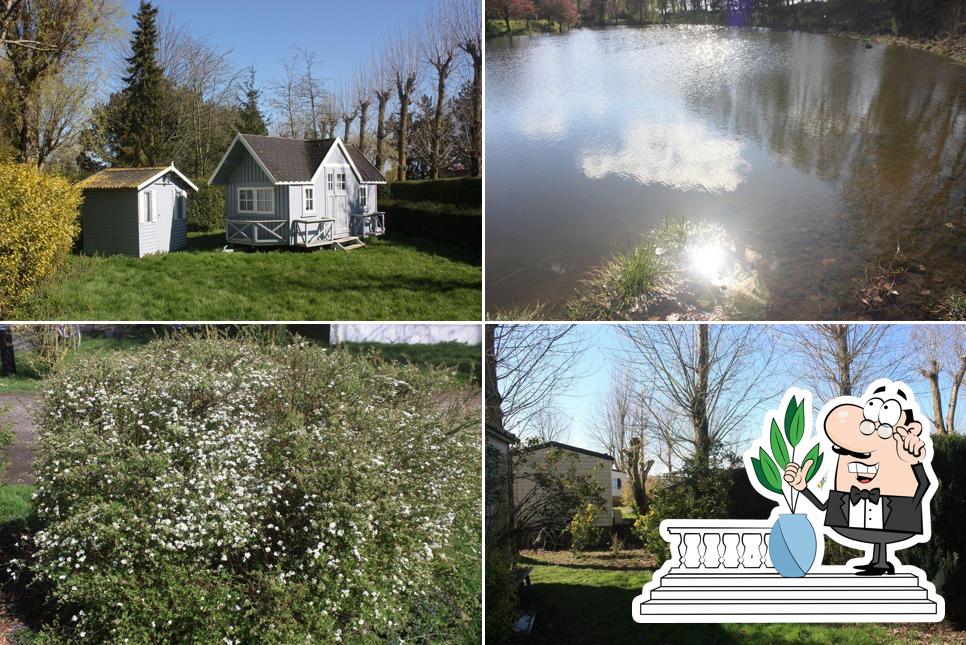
39, 220
459, 227
461, 191
943, 558
206, 209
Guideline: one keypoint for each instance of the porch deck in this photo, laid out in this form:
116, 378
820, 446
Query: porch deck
721, 572
305, 232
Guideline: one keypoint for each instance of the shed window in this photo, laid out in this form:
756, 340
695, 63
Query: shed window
147, 207
330, 181
309, 200
181, 207
256, 200
340, 181
363, 197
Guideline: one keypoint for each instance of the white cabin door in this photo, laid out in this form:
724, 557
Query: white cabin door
165, 205
339, 210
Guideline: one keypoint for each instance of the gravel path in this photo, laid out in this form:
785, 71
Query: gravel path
19, 412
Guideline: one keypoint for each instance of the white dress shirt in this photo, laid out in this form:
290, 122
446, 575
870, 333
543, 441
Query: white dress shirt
865, 514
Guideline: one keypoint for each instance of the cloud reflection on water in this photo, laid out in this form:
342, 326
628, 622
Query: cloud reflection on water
682, 157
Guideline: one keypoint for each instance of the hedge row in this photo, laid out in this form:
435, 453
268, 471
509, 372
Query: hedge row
460, 227
461, 191
206, 208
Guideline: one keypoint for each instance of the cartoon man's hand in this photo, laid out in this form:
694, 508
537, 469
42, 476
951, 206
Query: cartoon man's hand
795, 474
910, 447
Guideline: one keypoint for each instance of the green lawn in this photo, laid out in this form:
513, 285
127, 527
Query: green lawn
30, 373
393, 279
581, 603
15, 503
465, 359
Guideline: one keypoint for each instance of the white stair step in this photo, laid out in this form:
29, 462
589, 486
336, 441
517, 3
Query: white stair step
773, 580
788, 593
748, 610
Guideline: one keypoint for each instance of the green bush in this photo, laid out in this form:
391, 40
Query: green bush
206, 209
582, 531
38, 224
701, 489
943, 558
460, 191
457, 226
501, 595
222, 490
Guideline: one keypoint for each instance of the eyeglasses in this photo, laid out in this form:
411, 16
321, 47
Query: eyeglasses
868, 427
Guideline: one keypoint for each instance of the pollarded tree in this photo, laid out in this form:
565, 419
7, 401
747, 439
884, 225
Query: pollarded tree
250, 119
439, 51
382, 88
467, 28
404, 64
363, 99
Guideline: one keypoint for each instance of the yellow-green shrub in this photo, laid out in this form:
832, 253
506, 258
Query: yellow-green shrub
38, 224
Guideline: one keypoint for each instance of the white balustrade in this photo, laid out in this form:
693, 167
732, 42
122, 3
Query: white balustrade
719, 544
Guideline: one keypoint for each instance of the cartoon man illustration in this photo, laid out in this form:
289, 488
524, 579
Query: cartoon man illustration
880, 479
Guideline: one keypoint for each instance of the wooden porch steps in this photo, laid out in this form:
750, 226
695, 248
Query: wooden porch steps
348, 243
763, 597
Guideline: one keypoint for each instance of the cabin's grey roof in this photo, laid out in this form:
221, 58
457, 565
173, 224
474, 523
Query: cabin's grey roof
130, 178
368, 171
297, 160
289, 159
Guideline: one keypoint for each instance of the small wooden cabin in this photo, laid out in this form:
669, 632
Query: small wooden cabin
135, 211
290, 192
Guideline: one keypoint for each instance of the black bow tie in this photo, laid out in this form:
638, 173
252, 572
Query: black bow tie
855, 495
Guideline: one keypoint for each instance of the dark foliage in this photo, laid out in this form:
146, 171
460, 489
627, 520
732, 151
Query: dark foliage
206, 209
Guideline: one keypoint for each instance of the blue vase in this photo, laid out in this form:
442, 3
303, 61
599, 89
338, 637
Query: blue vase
792, 545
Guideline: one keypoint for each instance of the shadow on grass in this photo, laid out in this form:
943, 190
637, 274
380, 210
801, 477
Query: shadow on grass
212, 241
448, 251
594, 565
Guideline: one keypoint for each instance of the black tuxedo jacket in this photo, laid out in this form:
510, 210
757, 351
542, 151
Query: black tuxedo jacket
899, 513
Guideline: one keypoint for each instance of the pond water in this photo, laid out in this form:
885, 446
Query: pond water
816, 155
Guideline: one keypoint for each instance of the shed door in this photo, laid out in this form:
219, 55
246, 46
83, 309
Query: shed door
165, 204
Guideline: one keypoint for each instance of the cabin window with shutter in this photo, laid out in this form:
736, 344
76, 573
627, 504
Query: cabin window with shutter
309, 200
256, 200
363, 197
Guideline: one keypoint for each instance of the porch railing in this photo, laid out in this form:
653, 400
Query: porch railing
313, 232
257, 231
720, 544
365, 224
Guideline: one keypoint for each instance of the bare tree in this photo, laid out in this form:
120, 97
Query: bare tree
839, 360
528, 366
311, 90
616, 418
940, 353
404, 65
382, 88
548, 424
363, 95
468, 31
438, 44
707, 380
285, 100
347, 110
41, 40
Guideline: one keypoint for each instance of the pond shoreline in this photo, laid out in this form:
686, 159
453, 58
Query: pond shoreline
951, 46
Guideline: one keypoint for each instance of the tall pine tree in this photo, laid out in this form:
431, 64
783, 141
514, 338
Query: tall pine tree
141, 141
250, 119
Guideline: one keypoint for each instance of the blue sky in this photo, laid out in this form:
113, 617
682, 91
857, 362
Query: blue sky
606, 347
342, 34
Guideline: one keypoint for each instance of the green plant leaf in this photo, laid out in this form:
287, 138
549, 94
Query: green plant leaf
778, 447
772, 473
796, 429
816, 458
789, 413
760, 473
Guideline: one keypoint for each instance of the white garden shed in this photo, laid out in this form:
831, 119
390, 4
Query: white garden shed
135, 211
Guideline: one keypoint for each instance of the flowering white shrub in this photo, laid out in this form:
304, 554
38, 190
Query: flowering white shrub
225, 491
